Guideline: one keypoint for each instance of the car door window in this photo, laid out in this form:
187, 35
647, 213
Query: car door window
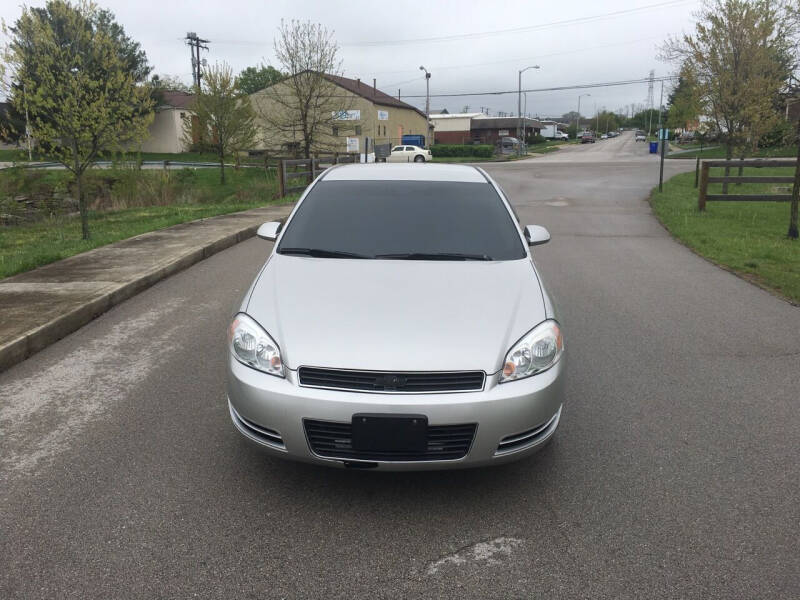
397, 149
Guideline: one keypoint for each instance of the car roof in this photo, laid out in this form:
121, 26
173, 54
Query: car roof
405, 172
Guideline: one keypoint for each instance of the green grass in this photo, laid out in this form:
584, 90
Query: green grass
748, 238
27, 246
719, 152
545, 148
462, 159
20, 156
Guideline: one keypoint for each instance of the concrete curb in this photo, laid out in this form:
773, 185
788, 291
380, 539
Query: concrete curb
18, 349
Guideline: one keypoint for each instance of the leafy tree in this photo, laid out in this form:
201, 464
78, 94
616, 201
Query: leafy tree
159, 84
644, 119
82, 74
741, 54
169, 83
685, 104
12, 124
305, 106
570, 117
226, 120
606, 121
254, 79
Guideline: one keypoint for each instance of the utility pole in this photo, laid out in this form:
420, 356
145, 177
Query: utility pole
650, 77
662, 141
427, 105
578, 118
195, 43
27, 123
597, 118
519, 110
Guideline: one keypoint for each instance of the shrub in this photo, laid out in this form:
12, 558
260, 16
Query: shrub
536, 138
479, 150
780, 135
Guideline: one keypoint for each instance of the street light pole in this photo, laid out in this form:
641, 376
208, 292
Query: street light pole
578, 118
427, 105
519, 109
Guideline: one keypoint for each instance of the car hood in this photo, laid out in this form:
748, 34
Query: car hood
398, 315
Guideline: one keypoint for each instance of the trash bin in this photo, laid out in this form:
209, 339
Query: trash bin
653, 147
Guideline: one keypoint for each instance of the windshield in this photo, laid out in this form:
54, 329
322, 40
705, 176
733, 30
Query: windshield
403, 220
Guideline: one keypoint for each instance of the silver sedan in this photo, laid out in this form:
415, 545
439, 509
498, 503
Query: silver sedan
399, 323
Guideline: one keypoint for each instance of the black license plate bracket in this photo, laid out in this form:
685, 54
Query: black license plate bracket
390, 433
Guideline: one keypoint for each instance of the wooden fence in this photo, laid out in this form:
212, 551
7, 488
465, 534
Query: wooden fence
752, 163
307, 169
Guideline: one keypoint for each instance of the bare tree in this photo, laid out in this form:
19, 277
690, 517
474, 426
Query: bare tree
223, 119
306, 107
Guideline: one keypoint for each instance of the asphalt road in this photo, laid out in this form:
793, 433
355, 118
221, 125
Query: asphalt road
674, 474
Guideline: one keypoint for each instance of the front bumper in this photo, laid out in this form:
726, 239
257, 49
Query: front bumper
513, 419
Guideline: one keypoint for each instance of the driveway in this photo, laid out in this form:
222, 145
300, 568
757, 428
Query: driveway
674, 474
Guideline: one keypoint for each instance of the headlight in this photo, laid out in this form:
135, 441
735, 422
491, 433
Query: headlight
537, 351
252, 346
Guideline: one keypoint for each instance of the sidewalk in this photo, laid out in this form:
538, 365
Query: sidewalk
46, 304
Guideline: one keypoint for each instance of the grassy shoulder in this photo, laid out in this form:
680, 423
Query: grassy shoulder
188, 196
719, 152
748, 238
17, 155
462, 159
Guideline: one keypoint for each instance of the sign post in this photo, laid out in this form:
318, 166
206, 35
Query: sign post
663, 135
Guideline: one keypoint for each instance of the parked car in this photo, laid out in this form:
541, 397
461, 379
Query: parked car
357, 345
641, 136
560, 135
587, 137
409, 154
604, 136
510, 145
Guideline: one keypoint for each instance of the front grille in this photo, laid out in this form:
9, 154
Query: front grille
334, 440
388, 381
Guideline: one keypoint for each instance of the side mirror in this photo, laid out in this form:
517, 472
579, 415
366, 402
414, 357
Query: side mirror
269, 231
536, 235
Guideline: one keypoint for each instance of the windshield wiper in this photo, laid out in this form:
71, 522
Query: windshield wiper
321, 253
434, 256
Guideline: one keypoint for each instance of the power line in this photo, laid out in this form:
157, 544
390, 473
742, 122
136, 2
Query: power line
552, 89
533, 90
474, 35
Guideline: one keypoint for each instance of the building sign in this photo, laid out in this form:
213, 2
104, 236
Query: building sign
346, 115
503, 132
352, 144
383, 115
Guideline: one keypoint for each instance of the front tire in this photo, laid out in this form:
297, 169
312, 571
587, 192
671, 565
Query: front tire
419, 158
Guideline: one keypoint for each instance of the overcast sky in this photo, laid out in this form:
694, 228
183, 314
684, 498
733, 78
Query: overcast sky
389, 40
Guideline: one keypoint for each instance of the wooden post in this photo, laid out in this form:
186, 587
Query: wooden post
701, 198
281, 179
795, 202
